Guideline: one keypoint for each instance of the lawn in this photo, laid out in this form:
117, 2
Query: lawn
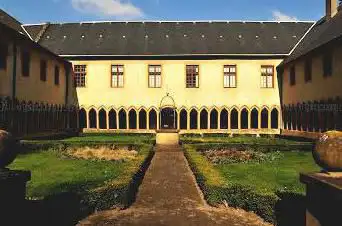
269, 177
53, 172
117, 138
271, 188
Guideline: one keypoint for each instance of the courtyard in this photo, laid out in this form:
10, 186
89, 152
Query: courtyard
95, 172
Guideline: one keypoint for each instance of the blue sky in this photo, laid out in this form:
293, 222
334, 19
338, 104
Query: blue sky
37, 11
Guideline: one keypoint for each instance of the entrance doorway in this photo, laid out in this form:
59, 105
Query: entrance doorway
168, 118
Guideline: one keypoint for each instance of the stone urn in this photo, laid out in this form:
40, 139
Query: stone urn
328, 151
8, 149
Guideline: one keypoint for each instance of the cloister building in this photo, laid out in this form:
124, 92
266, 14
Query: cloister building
256, 77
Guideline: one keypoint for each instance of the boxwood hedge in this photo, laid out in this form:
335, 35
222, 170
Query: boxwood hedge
277, 207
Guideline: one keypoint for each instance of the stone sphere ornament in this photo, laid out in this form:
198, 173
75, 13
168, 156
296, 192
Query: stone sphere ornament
328, 151
8, 149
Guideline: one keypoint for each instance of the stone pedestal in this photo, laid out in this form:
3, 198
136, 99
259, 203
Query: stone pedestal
167, 137
324, 199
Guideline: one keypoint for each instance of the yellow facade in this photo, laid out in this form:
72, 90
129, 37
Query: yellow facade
31, 88
211, 94
320, 88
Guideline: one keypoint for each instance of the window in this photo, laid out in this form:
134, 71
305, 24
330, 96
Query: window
25, 63
267, 74
308, 70
56, 75
80, 75
3, 55
327, 64
192, 76
43, 70
154, 76
229, 78
292, 76
117, 76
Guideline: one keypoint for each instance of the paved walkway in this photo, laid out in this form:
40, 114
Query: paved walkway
169, 196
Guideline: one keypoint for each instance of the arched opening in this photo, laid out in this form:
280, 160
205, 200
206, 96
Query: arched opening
255, 119
183, 115
317, 118
234, 119
92, 119
142, 119
311, 120
153, 119
132, 115
224, 119
274, 119
82, 118
299, 117
204, 119
264, 118
214, 119
293, 118
168, 118
122, 119
112, 119
103, 119
193, 119
331, 116
338, 103
244, 119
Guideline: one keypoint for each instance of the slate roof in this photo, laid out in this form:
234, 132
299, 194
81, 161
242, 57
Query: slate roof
171, 38
11, 22
322, 33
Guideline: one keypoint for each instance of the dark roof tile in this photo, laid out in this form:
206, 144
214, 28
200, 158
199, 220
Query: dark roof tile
172, 38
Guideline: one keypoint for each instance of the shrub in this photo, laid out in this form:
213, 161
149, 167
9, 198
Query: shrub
216, 191
119, 193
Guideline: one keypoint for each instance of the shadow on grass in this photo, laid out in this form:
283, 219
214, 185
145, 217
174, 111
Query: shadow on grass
290, 210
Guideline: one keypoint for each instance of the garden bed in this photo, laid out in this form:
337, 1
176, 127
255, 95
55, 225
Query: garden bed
86, 182
271, 189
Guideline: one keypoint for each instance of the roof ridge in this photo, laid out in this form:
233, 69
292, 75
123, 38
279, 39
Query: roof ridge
175, 21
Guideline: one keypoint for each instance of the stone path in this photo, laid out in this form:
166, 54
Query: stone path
169, 196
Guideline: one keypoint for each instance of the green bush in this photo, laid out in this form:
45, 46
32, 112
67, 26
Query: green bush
216, 191
120, 194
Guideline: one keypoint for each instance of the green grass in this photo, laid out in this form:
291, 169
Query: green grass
117, 138
269, 177
240, 140
52, 173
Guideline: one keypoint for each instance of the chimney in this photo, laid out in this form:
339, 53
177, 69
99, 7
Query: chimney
331, 8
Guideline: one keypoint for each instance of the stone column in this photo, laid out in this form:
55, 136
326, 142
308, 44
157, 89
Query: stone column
127, 120
249, 120
138, 121
229, 123
178, 120
107, 120
188, 121
97, 120
269, 120
209, 120
117, 120
239, 120
259, 119
219, 120
148, 120
87, 113
198, 120
158, 120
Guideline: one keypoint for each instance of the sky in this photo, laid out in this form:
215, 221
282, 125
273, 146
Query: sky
41, 11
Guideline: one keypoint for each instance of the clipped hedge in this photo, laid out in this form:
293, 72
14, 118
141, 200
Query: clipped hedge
216, 191
259, 147
119, 194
